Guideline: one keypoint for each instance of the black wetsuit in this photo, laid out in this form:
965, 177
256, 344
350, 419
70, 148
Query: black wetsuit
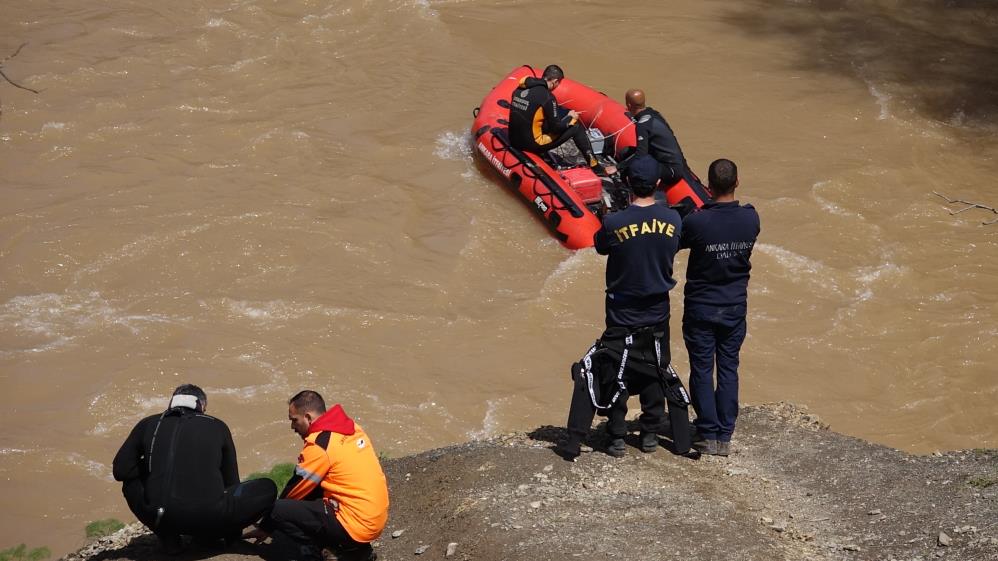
641, 242
537, 124
655, 137
192, 476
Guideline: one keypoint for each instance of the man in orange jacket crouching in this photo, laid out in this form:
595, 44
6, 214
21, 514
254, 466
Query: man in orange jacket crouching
338, 496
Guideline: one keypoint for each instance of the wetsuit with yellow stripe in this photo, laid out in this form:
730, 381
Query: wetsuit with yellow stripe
537, 124
337, 462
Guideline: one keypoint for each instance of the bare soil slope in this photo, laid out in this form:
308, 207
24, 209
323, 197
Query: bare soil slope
790, 490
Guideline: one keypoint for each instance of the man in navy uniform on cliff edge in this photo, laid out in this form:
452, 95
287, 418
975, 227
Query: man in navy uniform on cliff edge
632, 355
720, 238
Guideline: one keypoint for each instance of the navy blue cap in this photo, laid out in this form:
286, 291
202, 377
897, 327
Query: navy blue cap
643, 170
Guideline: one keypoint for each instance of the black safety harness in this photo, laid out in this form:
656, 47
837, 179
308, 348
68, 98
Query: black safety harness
606, 361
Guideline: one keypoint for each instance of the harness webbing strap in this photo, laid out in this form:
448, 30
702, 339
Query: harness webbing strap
587, 371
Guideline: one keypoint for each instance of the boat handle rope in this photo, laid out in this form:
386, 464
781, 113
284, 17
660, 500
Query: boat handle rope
529, 173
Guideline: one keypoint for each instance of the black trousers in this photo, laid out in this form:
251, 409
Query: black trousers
241, 505
669, 175
312, 525
640, 377
714, 335
576, 133
649, 391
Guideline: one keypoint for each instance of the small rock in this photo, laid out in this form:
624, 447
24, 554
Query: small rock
874, 512
779, 527
943, 540
766, 520
548, 467
736, 471
397, 533
422, 549
535, 504
851, 547
451, 549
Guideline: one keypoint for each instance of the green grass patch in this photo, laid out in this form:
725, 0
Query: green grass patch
22, 553
101, 528
279, 474
982, 482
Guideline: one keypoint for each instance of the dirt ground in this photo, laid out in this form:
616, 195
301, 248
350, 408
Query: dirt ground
792, 489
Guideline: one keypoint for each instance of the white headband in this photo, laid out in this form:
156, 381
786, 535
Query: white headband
181, 400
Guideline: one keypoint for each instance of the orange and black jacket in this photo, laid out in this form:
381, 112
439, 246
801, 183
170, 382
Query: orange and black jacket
534, 116
339, 462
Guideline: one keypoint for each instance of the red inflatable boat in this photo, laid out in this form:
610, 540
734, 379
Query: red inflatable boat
565, 193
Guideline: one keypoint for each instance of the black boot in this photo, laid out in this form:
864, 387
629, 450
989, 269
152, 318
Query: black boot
569, 449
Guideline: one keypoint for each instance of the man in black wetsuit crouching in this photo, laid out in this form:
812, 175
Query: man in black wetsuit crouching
180, 477
537, 124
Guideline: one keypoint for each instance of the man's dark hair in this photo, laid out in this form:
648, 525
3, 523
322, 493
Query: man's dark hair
641, 188
722, 177
553, 72
191, 389
308, 401
642, 175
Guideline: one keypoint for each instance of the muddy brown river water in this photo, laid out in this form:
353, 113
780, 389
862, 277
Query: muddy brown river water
260, 197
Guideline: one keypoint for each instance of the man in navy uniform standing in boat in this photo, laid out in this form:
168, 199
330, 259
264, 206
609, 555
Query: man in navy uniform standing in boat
537, 124
655, 137
632, 355
720, 238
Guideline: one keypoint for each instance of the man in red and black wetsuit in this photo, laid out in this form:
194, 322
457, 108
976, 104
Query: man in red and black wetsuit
537, 124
